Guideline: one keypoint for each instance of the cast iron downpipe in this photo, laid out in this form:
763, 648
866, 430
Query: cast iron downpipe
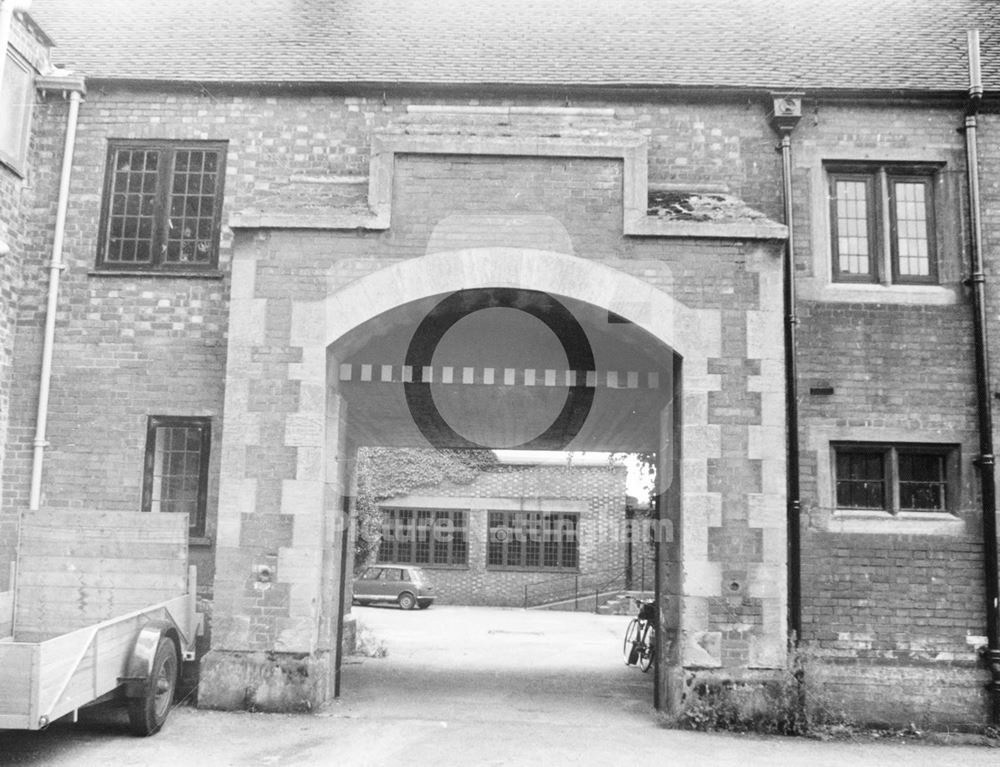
786, 115
986, 460
55, 269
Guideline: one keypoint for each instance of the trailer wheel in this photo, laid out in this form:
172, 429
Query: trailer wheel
148, 712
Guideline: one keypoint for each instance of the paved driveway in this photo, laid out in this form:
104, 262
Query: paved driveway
465, 686
504, 664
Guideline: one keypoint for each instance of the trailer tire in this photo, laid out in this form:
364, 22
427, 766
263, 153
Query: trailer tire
148, 712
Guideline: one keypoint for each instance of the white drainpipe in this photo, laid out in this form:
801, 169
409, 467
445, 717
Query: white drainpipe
55, 268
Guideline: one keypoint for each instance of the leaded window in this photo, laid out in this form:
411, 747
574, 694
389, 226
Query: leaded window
424, 537
175, 479
532, 540
882, 224
162, 206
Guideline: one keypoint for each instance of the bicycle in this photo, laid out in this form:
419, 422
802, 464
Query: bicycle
640, 638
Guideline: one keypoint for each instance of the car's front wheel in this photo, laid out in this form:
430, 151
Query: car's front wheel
407, 601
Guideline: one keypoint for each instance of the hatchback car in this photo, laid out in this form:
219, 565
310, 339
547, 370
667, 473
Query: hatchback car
406, 585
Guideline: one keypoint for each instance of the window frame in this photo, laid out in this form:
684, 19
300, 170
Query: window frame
16, 158
883, 242
390, 520
514, 520
950, 457
196, 526
167, 150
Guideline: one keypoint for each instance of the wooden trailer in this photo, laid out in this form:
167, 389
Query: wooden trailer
103, 604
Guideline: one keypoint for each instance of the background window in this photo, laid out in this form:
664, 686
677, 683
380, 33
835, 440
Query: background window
896, 478
424, 537
882, 224
162, 206
532, 540
176, 468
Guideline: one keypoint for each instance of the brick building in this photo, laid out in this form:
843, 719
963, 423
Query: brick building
515, 535
295, 227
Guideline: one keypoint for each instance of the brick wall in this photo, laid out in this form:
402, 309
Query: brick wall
889, 603
600, 533
15, 189
131, 347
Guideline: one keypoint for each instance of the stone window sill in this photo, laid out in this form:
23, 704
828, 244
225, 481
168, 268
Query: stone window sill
903, 523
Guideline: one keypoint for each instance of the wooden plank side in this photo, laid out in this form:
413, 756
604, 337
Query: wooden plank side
78, 568
76, 668
101, 653
16, 689
73, 609
127, 578
60, 541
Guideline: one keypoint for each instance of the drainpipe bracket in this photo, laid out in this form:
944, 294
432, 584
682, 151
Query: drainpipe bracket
64, 82
986, 459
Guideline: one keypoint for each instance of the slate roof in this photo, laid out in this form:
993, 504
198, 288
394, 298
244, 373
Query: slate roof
886, 45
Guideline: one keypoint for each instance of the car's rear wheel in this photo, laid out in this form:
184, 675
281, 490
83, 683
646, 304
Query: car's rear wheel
407, 601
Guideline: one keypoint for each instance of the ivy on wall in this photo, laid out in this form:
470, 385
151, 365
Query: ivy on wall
384, 473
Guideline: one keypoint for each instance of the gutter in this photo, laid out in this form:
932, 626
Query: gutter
75, 87
786, 114
986, 460
562, 91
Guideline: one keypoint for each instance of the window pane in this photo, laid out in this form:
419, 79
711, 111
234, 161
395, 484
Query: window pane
852, 226
860, 480
496, 545
911, 225
192, 207
130, 223
176, 481
422, 543
922, 482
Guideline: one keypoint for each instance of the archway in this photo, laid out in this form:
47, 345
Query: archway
317, 438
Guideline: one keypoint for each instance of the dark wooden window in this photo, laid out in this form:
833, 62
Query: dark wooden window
532, 540
162, 206
424, 537
895, 478
861, 478
175, 479
882, 224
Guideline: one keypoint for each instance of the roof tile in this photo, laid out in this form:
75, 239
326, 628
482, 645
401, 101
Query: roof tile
809, 44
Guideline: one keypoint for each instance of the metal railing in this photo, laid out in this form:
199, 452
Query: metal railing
574, 587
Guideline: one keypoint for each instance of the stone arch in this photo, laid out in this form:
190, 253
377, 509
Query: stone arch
686, 331
282, 483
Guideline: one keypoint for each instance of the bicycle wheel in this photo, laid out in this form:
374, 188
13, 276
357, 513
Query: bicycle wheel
630, 649
647, 647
